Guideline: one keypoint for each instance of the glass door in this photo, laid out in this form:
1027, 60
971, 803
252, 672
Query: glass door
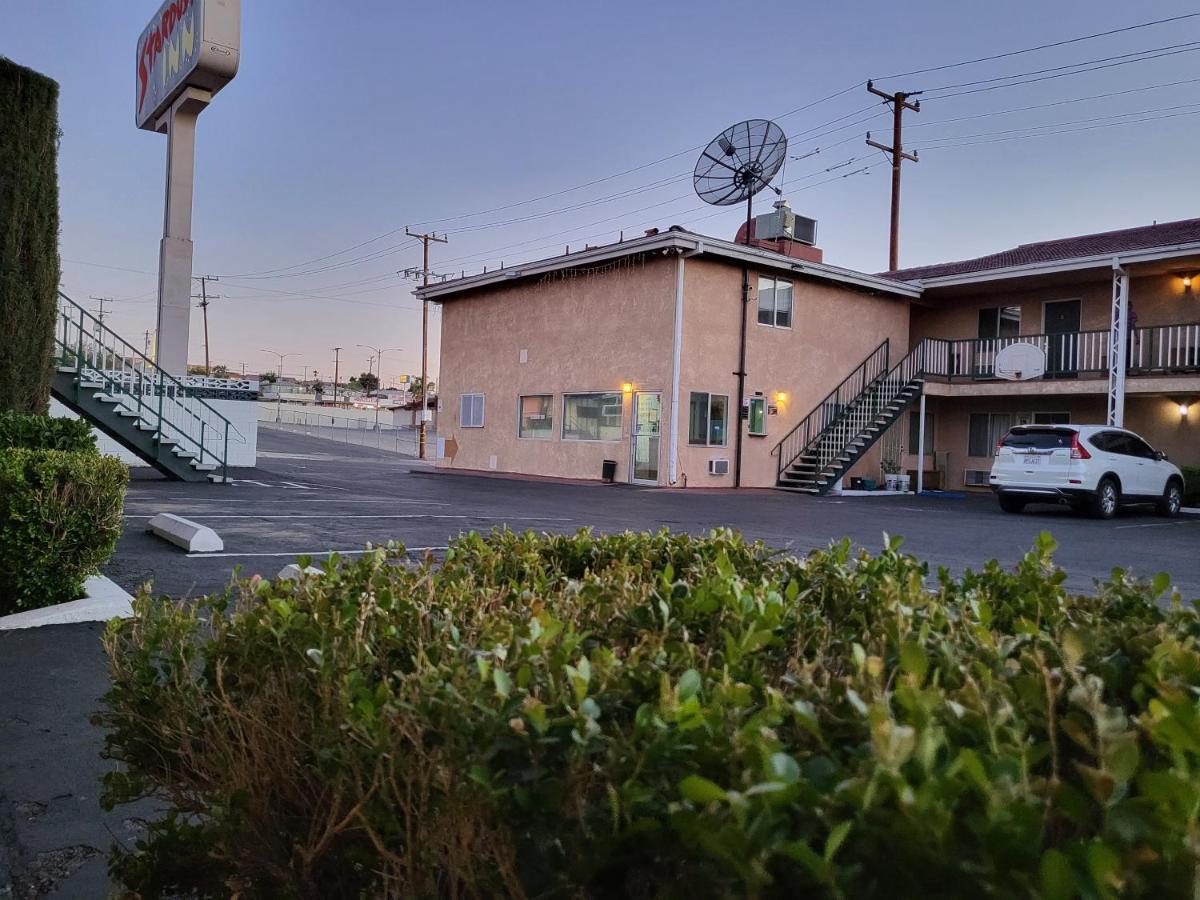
647, 421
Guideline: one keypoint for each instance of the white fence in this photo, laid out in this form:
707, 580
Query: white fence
347, 426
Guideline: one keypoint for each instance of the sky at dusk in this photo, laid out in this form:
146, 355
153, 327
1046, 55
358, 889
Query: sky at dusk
349, 121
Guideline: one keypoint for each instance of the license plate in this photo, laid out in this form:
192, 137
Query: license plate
1033, 460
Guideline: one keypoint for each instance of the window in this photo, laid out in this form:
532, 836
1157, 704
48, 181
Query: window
592, 417
536, 416
1051, 418
758, 415
1137, 447
470, 411
1039, 438
914, 432
775, 302
999, 322
984, 431
707, 419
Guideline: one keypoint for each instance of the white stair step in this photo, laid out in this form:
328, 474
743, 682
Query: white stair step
202, 467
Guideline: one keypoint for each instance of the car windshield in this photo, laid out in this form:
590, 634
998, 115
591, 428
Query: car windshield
1038, 438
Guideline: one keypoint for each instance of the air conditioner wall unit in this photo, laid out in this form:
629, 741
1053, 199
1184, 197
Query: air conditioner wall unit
976, 477
718, 467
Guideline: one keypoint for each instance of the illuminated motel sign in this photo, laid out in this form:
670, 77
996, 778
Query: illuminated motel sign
187, 43
187, 53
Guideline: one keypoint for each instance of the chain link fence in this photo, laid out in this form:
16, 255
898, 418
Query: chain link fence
346, 426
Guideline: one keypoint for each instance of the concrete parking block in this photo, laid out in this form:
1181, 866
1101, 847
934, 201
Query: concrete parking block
191, 536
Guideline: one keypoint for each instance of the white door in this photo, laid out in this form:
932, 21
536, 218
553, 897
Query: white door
647, 421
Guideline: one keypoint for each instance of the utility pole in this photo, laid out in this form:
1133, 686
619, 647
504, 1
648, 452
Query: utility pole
203, 298
424, 239
899, 102
146, 345
100, 314
337, 358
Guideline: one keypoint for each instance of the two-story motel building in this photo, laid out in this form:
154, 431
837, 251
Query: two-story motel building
643, 353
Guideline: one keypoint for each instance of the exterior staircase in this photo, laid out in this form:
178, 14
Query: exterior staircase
106, 380
855, 414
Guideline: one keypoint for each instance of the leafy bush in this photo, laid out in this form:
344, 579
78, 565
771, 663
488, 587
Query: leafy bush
45, 433
1191, 485
657, 715
60, 517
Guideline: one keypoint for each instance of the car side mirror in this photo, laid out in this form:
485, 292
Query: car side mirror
1159, 455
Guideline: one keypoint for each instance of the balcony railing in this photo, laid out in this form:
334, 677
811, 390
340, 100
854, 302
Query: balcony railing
1158, 349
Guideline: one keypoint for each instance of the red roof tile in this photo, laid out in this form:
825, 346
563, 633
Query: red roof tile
1164, 234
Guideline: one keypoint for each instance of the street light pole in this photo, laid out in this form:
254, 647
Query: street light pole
379, 356
278, 375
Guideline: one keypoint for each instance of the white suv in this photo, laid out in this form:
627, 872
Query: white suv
1091, 467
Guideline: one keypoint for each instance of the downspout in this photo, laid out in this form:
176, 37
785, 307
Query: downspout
741, 377
676, 355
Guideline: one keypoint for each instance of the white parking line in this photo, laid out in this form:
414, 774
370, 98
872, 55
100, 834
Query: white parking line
298, 553
1153, 525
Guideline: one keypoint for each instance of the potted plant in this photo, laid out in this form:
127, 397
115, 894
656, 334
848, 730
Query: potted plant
891, 472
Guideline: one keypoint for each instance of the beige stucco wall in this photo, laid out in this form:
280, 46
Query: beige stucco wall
1156, 300
582, 333
1154, 417
833, 329
597, 332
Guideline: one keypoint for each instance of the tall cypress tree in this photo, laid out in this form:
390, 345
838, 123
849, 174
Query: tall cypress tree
29, 265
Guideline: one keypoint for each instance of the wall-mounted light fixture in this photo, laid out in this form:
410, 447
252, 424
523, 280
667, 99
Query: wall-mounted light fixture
1187, 285
627, 387
1183, 411
781, 396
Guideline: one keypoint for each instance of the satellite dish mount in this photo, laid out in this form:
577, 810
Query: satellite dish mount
739, 163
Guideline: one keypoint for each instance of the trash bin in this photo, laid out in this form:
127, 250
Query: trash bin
869, 484
608, 472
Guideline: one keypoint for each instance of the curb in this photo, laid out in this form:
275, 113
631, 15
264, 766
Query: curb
103, 599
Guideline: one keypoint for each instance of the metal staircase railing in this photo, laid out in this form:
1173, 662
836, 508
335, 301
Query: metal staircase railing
167, 407
855, 424
810, 429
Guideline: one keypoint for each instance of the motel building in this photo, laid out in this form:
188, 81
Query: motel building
690, 361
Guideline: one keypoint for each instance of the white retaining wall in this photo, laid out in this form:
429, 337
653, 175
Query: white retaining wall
243, 435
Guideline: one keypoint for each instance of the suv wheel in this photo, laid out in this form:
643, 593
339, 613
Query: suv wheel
1171, 500
1106, 500
1011, 504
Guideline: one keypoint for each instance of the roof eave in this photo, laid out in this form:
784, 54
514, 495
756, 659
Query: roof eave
666, 242
1074, 264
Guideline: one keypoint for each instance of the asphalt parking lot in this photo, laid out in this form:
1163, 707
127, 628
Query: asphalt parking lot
310, 496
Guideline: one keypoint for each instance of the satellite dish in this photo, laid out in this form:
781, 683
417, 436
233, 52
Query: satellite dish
740, 162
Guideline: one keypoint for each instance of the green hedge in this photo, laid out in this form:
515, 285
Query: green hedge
45, 433
60, 517
645, 716
29, 265
1191, 485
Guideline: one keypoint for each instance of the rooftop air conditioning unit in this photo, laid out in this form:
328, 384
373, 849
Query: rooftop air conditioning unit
718, 467
976, 477
805, 231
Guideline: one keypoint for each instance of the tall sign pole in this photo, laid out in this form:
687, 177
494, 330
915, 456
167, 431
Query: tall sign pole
185, 55
424, 239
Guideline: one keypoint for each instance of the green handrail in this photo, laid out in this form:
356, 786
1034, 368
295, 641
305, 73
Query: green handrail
161, 381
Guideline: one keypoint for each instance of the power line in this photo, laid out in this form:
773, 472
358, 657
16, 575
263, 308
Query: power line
1064, 43
1175, 50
